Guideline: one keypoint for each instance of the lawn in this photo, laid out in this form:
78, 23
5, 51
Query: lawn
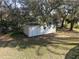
42, 47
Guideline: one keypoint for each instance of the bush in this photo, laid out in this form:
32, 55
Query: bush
9, 26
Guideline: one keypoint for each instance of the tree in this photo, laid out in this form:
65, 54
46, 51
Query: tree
42, 9
68, 12
73, 17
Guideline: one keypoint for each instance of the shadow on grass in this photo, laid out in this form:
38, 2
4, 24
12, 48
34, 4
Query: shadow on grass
67, 30
73, 53
22, 42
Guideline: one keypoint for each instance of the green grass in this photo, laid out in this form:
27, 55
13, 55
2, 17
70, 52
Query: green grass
46, 47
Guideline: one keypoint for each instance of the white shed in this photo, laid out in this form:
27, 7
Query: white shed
35, 30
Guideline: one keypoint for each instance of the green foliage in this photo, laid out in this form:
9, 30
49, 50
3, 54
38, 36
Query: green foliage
76, 26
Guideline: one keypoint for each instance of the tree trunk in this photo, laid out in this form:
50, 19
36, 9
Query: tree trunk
62, 25
71, 25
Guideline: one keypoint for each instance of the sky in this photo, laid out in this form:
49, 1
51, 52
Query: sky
18, 5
